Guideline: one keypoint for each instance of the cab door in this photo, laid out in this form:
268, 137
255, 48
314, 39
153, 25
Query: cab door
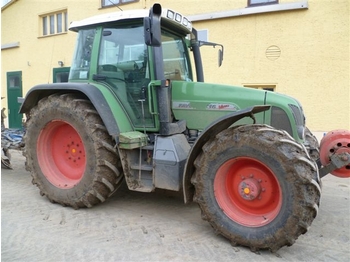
123, 67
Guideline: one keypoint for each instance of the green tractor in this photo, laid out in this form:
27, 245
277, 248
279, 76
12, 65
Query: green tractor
133, 111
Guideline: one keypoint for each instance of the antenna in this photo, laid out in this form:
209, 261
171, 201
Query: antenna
114, 4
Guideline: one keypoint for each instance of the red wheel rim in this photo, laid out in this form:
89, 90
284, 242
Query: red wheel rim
61, 154
248, 192
335, 142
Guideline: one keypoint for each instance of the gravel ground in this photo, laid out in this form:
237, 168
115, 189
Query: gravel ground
133, 226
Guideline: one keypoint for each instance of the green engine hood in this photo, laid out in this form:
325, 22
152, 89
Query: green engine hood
202, 103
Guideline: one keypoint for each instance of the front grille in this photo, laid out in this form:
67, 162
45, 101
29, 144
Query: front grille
280, 120
299, 120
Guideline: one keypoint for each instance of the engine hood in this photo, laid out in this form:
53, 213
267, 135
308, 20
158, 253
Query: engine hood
201, 103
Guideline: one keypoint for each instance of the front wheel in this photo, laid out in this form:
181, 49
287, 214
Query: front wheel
255, 186
313, 145
313, 148
70, 153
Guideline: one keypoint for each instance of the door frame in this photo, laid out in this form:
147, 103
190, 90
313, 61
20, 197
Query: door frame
57, 70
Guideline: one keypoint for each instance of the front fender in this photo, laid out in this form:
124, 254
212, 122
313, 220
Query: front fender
90, 91
212, 130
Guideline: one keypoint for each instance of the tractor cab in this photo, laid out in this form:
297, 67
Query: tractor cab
117, 56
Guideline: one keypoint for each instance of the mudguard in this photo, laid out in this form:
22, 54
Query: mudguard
90, 91
212, 130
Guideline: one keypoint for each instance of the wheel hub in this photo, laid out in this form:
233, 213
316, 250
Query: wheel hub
249, 189
74, 152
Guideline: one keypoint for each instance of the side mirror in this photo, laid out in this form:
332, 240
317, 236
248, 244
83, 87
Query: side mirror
221, 50
220, 57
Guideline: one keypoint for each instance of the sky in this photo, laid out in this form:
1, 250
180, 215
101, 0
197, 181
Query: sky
4, 2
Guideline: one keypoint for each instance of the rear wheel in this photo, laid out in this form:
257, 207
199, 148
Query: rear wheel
70, 153
255, 186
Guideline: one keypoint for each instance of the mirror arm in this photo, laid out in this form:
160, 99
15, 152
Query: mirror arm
221, 51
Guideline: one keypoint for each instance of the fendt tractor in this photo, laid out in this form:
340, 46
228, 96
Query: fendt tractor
132, 111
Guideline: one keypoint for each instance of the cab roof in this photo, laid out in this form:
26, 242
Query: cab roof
167, 14
109, 17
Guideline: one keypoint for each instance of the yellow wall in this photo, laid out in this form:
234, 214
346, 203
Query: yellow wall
313, 65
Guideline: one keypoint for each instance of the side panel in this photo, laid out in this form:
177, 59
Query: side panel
105, 103
170, 156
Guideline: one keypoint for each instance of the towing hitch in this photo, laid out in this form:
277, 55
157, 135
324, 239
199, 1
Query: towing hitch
336, 162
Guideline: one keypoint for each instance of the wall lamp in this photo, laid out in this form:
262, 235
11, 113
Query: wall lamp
60, 63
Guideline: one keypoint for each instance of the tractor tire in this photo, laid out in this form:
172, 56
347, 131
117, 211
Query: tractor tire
69, 152
314, 150
254, 185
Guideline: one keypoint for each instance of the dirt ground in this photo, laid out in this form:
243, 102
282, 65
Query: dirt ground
133, 226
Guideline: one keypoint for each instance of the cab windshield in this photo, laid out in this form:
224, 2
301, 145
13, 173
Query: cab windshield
82, 56
176, 62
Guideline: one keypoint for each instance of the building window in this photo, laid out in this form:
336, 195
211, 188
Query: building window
44, 22
261, 2
265, 87
59, 22
54, 23
202, 35
108, 3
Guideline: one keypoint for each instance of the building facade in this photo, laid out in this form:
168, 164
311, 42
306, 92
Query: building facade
295, 47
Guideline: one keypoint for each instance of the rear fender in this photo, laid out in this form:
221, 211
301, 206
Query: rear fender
212, 130
90, 91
